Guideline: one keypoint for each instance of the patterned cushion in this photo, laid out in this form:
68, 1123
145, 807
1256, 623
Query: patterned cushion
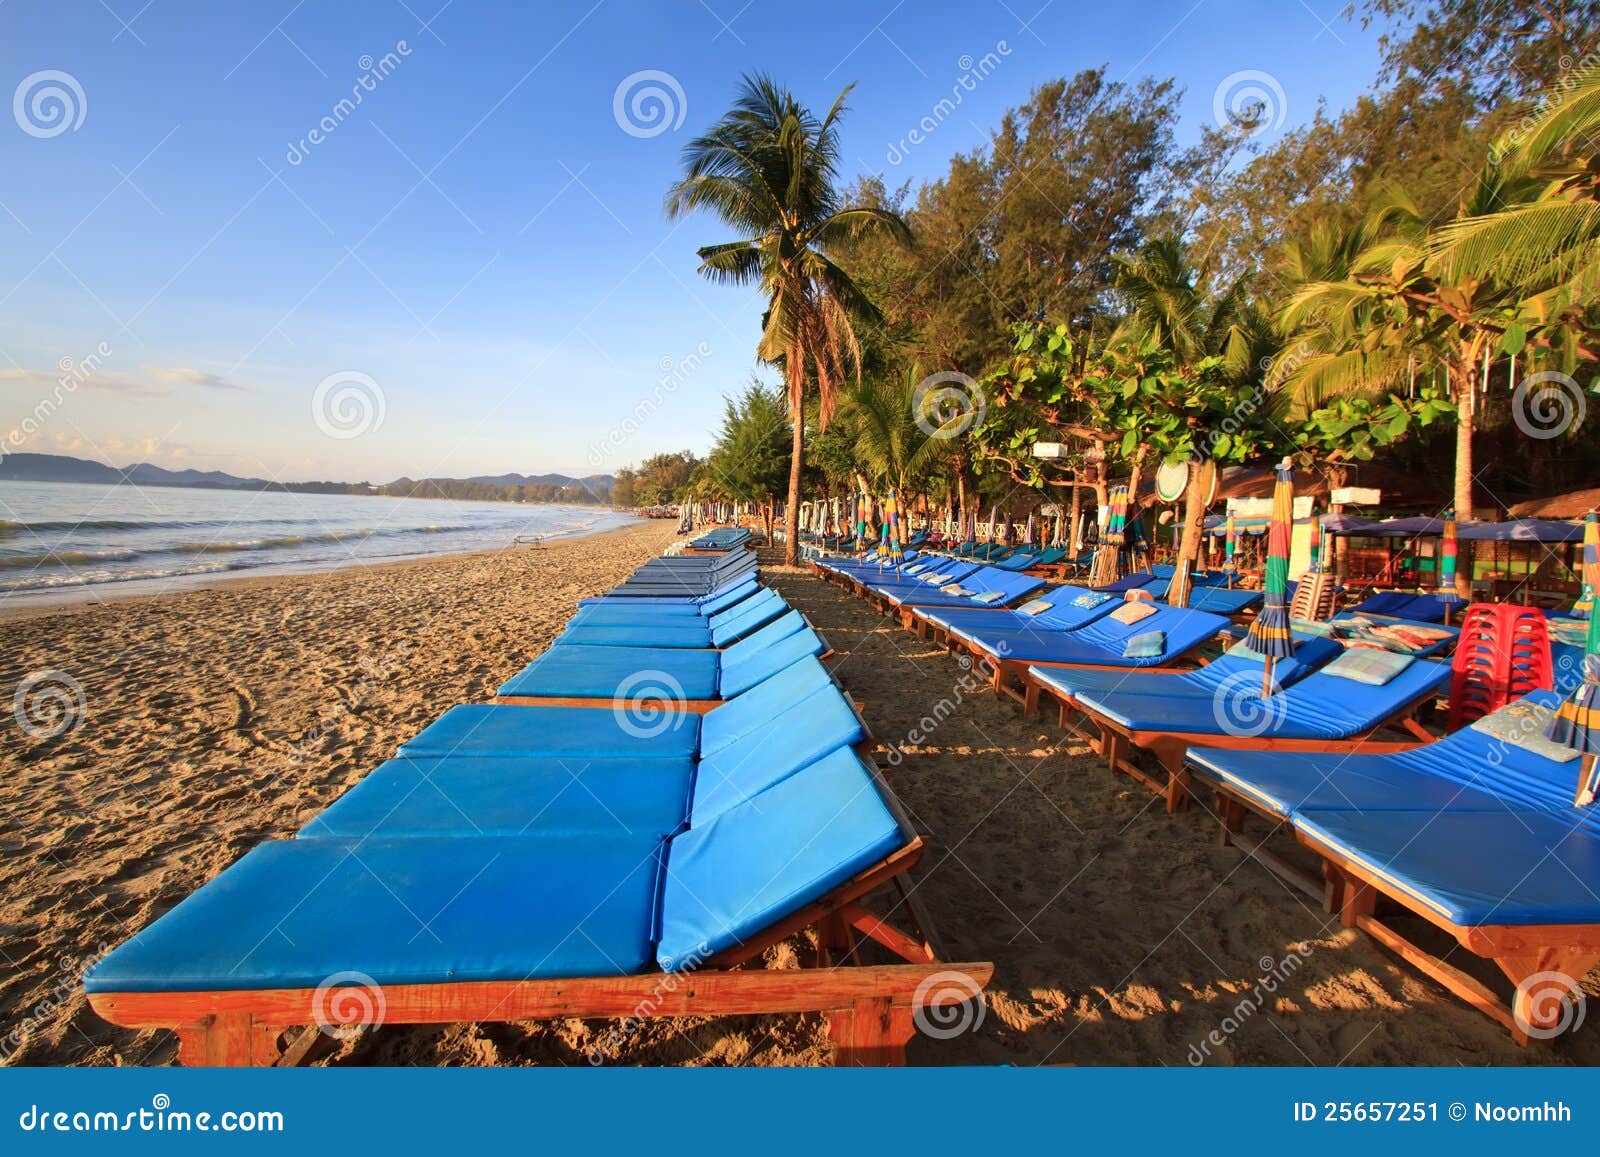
1374, 668
1131, 613
1145, 646
1036, 607
1522, 724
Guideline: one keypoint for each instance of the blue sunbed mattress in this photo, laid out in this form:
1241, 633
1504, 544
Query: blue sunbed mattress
1472, 867
1468, 770
1318, 707
768, 856
1102, 641
1062, 613
578, 671
489, 729
1203, 683
513, 797
408, 910
624, 612
1129, 582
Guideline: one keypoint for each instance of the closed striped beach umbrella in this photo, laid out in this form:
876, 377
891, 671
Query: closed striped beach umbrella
1269, 633
1448, 546
1230, 546
897, 553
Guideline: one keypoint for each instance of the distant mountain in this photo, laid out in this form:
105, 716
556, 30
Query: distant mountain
503, 487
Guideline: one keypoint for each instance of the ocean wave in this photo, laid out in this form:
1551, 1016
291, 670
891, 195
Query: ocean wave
94, 578
65, 558
10, 528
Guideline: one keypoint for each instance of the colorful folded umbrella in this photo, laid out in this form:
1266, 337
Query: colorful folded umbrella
1446, 593
1269, 632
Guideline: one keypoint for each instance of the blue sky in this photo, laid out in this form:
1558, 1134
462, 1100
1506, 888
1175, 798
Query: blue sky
470, 271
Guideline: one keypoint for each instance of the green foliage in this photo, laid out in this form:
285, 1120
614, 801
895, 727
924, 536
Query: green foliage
1355, 429
750, 460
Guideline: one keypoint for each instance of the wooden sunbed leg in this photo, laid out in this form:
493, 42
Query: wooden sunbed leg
1030, 698
1332, 888
227, 1039
833, 939
1230, 819
1177, 793
1359, 899
1544, 1007
872, 1031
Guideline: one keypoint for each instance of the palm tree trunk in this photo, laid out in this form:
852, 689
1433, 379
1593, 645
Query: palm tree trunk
1466, 405
961, 496
791, 548
1072, 519
1194, 513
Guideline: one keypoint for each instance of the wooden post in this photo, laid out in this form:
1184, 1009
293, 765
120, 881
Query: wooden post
871, 1031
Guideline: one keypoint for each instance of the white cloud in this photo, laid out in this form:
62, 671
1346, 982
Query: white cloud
183, 376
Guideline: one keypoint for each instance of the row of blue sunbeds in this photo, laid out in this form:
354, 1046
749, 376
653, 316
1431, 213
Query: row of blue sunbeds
1408, 817
674, 786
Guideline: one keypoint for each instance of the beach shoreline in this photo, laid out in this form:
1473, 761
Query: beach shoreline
213, 720
23, 605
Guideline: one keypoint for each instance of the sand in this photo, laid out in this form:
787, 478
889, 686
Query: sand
215, 719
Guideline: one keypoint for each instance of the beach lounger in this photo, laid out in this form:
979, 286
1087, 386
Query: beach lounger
720, 630
1319, 712
1421, 608
986, 587
1063, 608
1413, 827
665, 678
1005, 655
632, 610
1407, 636
1218, 600
1065, 684
1138, 580
441, 929
802, 697
873, 587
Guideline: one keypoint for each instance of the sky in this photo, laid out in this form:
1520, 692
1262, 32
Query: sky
386, 238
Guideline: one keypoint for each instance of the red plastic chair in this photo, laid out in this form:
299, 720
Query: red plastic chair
1503, 653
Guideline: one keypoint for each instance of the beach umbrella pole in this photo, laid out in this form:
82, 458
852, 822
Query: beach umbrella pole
1586, 784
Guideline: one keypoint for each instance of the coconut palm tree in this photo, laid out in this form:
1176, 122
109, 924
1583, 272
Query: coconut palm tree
892, 447
1539, 230
1374, 309
769, 170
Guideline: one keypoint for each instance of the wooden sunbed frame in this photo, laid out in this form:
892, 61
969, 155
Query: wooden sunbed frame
1521, 951
1351, 890
870, 1009
1114, 742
